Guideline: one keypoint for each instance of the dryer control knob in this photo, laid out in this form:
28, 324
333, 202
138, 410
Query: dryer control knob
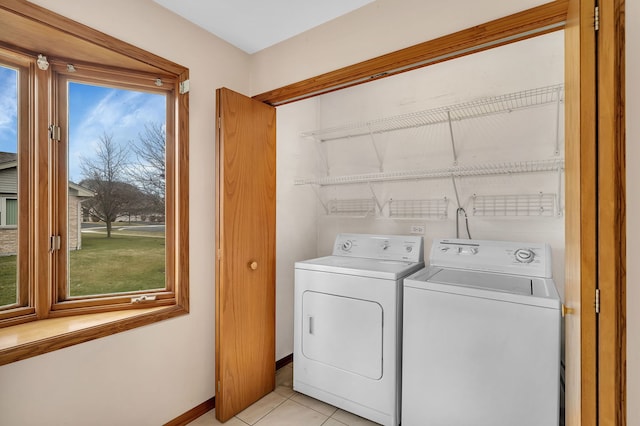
346, 246
524, 255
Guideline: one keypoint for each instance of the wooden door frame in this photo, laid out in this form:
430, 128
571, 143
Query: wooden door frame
595, 169
529, 23
612, 255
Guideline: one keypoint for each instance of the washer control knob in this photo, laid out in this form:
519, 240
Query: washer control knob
524, 255
444, 249
346, 246
385, 245
409, 249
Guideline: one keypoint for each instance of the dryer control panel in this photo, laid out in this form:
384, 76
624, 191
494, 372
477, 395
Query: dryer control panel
531, 259
401, 248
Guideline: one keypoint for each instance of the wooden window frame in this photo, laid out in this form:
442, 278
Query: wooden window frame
24, 306
62, 303
42, 323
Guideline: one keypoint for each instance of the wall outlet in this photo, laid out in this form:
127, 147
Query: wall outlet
417, 229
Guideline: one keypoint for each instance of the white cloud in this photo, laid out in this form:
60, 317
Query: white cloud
119, 113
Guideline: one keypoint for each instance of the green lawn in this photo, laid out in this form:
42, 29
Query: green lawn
117, 264
103, 265
7, 280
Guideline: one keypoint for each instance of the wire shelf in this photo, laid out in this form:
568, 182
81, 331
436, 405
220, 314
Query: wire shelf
457, 171
424, 209
355, 207
478, 108
515, 205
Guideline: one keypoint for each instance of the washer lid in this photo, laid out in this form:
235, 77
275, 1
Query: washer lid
502, 287
373, 268
485, 281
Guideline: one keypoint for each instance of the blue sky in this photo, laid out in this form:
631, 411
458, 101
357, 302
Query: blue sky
96, 110
93, 111
8, 109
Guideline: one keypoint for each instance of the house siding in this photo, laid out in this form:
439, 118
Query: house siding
8, 181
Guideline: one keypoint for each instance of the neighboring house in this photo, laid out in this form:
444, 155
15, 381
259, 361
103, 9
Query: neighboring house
9, 207
77, 194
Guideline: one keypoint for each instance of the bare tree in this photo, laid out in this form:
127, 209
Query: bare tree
104, 175
149, 172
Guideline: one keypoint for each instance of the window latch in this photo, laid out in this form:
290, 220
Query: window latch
143, 298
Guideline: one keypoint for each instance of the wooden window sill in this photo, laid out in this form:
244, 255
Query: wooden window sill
34, 338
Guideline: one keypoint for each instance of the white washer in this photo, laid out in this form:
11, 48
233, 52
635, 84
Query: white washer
348, 323
481, 343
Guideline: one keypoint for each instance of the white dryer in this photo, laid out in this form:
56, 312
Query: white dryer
348, 323
481, 342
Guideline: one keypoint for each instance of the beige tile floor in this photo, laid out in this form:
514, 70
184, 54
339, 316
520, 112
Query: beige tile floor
285, 407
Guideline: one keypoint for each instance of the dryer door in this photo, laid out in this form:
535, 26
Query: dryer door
343, 332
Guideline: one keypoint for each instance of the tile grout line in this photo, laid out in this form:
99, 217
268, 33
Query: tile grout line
328, 417
290, 397
267, 413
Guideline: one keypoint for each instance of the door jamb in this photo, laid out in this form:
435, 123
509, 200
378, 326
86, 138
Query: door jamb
612, 256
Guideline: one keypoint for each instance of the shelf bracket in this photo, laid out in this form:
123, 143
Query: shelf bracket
323, 155
375, 149
316, 190
558, 93
453, 142
375, 198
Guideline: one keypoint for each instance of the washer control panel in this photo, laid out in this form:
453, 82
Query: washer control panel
402, 248
531, 259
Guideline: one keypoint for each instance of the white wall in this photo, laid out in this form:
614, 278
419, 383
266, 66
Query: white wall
519, 136
152, 374
296, 212
524, 135
633, 210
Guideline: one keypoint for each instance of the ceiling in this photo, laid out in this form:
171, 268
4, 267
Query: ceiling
253, 25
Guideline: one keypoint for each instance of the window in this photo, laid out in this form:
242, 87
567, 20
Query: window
93, 179
114, 143
8, 211
14, 280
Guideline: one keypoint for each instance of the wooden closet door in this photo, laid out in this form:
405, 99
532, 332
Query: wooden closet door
245, 245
